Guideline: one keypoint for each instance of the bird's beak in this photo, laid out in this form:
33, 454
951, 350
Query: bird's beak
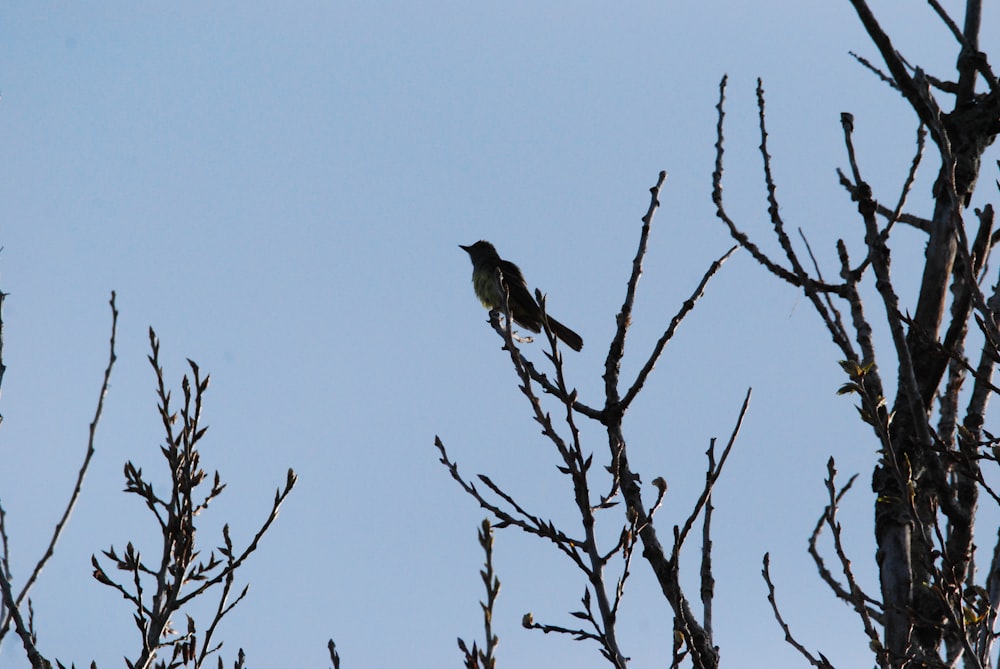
463, 247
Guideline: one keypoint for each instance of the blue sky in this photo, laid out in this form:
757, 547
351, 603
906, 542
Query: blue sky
279, 190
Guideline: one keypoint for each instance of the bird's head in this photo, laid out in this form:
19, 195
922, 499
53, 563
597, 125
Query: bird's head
480, 251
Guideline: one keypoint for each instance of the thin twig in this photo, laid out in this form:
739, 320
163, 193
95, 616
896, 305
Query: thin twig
821, 567
334, 655
837, 320
821, 662
22, 628
3, 367
616, 351
918, 222
879, 73
712, 477
741, 238
527, 522
485, 658
969, 40
82, 473
668, 334
922, 103
858, 598
707, 579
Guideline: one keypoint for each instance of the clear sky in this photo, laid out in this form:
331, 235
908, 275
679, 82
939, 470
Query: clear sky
280, 189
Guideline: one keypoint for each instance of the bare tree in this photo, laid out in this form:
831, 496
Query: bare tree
933, 610
161, 590
603, 593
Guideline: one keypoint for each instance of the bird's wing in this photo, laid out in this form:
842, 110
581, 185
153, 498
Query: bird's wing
523, 307
512, 273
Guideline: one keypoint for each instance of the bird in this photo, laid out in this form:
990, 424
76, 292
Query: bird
523, 307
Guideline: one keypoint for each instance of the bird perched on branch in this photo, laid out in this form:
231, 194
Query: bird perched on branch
523, 307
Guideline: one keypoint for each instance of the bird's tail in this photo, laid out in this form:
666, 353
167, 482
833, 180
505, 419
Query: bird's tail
570, 338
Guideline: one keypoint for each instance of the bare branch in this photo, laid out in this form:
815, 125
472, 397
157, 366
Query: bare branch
970, 48
773, 209
711, 476
334, 655
740, 237
707, 579
857, 597
668, 334
527, 522
821, 662
921, 103
880, 263
824, 572
616, 351
797, 276
878, 73
22, 629
3, 367
81, 474
485, 658
885, 212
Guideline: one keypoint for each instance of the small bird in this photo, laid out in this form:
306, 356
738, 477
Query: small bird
523, 308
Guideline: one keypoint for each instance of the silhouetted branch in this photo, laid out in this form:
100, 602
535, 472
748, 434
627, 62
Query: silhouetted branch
813, 288
475, 657
740, 237
879, 73
711, 477
160, 592
525, 521
617, 348
894, 215
334, 655
885, 212
879, 255
824, 572
969, 39
3, 367
22, 628
837, 320
921, 102
856, 596
821, 662
668, 334
74, 496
